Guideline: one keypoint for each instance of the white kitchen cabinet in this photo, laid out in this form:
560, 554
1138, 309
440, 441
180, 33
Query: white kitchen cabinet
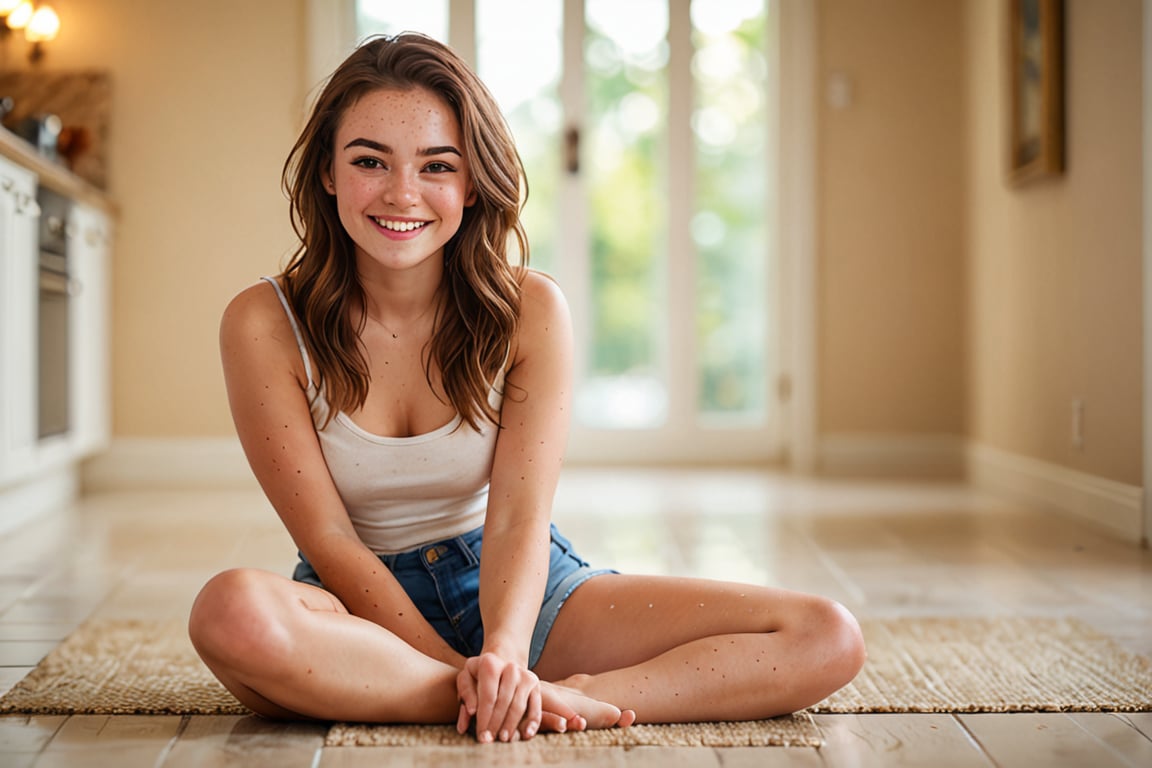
19, 214
54, 331
89, 254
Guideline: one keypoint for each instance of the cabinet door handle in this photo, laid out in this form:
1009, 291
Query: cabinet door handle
26, 204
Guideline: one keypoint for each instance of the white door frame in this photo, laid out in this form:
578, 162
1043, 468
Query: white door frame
793, 138
797, 227
679, 440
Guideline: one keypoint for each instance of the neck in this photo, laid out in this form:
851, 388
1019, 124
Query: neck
401, 327
401, 300
400, 314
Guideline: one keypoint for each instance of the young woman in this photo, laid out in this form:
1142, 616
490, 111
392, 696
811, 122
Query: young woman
402, 394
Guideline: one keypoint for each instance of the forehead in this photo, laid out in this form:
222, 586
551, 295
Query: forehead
415, 112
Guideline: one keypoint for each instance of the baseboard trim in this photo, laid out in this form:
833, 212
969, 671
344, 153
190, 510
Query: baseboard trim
1113, 506
891, 456
37, 496
150, 463
132, 463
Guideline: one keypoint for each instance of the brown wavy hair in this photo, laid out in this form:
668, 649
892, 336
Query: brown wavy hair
480, 295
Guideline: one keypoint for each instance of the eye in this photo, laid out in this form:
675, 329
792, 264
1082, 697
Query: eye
371, 163
439, 167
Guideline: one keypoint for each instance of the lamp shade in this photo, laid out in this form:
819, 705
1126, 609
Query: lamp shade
43, 26
21, 15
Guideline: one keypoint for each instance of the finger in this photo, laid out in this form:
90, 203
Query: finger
506, 710
518, 705
466, 689
531, 723
463, 719
487, 688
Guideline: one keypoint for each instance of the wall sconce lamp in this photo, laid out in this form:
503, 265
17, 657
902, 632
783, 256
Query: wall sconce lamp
39, 21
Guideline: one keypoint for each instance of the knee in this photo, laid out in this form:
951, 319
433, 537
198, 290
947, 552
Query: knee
835, 632
234, 617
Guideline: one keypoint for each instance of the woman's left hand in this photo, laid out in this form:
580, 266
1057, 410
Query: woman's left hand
502, 695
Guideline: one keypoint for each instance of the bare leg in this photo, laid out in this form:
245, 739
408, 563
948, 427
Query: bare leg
287, 649
290, 650
677, 650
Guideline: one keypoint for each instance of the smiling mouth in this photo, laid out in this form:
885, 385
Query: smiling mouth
399, 226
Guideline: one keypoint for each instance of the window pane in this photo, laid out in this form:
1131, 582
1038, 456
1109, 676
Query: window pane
626, 81
729, 127
391, 17
520, 63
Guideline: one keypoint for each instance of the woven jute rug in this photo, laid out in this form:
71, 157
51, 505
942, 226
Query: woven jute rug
791, 731
993, 665
915, 665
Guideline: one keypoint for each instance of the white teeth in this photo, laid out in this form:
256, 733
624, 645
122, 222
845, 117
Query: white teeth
400, 226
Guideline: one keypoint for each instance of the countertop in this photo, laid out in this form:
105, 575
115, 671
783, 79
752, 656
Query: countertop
55, 177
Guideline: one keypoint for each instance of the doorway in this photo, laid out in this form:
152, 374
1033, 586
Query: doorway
649, 130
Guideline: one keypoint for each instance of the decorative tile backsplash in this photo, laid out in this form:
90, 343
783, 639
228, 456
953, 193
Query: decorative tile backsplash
82, 101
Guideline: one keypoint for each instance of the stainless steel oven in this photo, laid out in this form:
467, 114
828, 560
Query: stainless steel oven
55, 317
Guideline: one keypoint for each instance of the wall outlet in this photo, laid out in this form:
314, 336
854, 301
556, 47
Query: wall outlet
1078, 424
840, 91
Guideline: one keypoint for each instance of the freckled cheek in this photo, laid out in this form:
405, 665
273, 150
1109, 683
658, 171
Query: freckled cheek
448, 194
365, 191
354, 200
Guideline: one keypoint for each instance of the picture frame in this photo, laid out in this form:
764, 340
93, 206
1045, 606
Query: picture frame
1035, 62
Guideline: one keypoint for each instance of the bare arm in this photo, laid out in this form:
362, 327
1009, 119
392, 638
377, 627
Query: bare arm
497, 687
529, 455
267, 386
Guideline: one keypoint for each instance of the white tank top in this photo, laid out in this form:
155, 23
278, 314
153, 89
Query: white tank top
404, 492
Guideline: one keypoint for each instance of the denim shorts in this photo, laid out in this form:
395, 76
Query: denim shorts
443, 580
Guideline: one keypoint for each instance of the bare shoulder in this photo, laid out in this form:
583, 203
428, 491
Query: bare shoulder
256, 329
545, 322
255, 306
541, 298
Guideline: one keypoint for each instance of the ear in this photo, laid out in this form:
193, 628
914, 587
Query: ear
470, 198
329, 185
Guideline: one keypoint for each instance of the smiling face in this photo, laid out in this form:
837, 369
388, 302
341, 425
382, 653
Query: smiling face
400, 178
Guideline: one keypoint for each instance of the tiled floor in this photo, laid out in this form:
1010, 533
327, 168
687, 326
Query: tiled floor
884, 549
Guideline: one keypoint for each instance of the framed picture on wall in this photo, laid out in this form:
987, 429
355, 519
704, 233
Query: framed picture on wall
1036, 74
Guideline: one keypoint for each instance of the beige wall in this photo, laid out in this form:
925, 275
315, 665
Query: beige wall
1055, 267
207, 98
949, 303
890, 218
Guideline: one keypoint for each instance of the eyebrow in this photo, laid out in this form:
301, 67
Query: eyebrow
387, 150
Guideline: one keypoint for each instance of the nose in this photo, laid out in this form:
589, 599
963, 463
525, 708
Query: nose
400, 189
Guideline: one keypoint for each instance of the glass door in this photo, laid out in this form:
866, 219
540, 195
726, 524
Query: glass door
646, 129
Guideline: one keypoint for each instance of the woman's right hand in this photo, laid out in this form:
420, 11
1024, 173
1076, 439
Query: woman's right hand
503, 697
548, 707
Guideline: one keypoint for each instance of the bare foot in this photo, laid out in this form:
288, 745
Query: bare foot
582, 712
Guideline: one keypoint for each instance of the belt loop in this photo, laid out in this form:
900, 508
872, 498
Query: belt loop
465, 551
557, 540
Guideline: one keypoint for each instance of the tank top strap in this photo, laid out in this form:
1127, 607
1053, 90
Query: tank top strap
295, 328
